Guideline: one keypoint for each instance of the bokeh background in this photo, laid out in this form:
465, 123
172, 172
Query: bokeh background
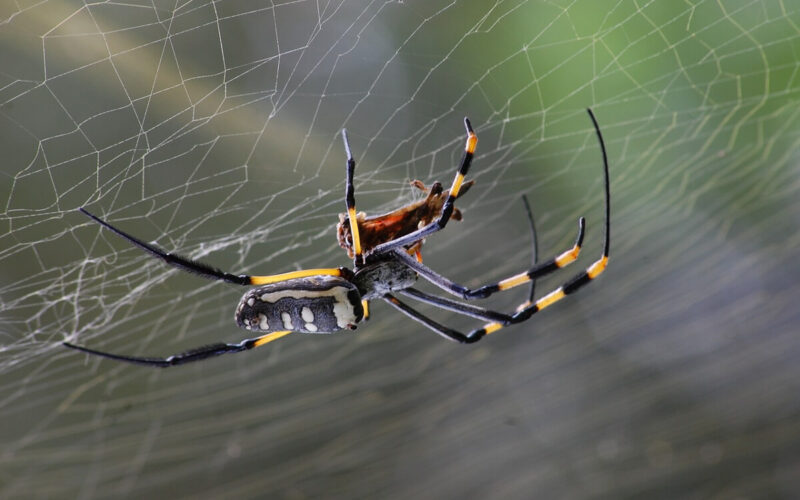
213, 129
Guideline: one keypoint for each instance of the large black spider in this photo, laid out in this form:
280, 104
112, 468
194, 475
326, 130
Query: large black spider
333, 299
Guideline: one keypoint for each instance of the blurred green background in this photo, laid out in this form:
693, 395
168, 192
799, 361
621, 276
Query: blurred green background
213, 129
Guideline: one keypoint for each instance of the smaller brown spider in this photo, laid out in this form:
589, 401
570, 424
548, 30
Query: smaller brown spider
377, 229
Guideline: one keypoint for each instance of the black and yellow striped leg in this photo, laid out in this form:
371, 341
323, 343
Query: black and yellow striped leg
447, 208
539, 269
350, 201
525, 311
475, 311
365, 306
535, 272
442, 330
210, 272
528, 309
189, 356
496, 318
303, 273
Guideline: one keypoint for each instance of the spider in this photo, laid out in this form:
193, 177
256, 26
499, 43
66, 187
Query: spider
332, 299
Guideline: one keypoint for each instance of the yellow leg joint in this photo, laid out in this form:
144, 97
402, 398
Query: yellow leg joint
597, 268
568, 257
524, 306
514, 281
365, 306
265, 280
550, 298
457, 185
270, 337
351, 214
492, 327
472, 140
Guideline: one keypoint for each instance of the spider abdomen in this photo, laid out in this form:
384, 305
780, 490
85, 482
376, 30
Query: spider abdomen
318, 304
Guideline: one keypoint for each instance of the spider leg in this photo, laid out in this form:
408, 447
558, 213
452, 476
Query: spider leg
536, 271
475, 311
534, 245
207, 271
526, 310
442, 330
365, 306
447, 208
457, 307
350, 201
469, 309
197, 354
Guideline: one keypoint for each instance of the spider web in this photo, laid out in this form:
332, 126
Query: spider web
213, 130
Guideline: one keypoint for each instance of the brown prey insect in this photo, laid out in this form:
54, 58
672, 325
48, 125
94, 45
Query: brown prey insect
377, 229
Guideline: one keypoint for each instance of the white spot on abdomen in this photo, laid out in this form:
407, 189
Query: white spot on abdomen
311, 327
342, 308
307, 315
287, 321
262, 322
251, 301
